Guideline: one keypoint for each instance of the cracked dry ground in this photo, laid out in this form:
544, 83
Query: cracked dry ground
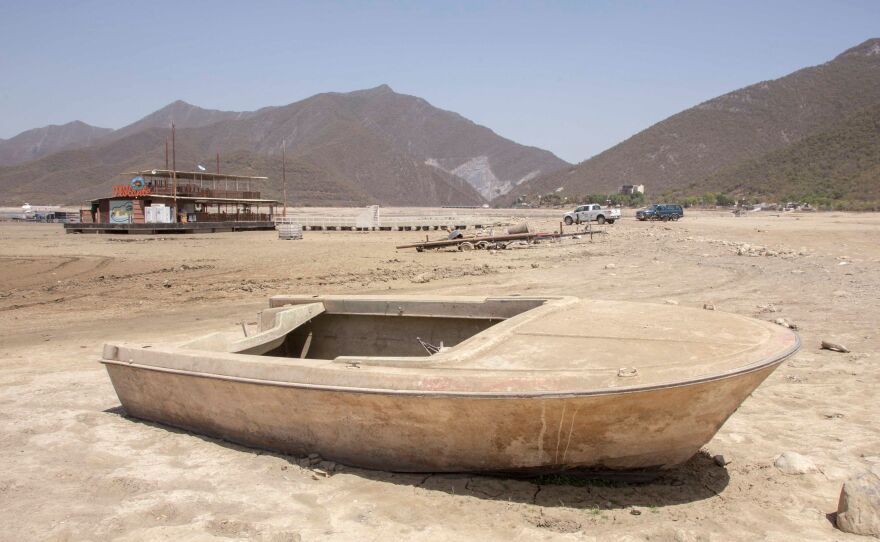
75, 469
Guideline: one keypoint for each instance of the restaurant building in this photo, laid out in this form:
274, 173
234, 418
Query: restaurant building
168, 201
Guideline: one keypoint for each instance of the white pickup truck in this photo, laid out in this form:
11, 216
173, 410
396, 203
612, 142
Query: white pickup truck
591, 212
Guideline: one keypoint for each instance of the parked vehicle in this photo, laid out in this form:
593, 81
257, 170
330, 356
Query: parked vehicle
591, 212
661, 211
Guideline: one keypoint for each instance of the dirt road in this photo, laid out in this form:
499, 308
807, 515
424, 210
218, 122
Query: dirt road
74, 468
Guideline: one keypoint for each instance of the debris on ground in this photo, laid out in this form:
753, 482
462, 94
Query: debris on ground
793, 463
834, 347
785, 323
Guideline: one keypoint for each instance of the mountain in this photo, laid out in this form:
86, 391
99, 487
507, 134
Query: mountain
362, 147
438, 140
40, 142
841, 163
183, 115
738, 126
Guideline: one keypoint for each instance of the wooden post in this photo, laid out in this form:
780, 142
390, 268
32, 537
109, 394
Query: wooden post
174, 172
284, 177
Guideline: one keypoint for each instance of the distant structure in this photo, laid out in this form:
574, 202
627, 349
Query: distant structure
630, 189
169, 201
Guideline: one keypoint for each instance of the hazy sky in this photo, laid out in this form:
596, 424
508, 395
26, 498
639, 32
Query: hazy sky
572, 77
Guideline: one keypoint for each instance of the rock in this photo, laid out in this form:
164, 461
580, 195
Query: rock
858, 510
794, 463
720, 460
671, 302
785, 323
683, 536
328, 466
835, 347
709, 306
610, 266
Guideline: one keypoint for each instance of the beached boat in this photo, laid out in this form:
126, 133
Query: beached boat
448, 384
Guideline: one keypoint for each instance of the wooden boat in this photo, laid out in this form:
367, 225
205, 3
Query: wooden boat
460, 384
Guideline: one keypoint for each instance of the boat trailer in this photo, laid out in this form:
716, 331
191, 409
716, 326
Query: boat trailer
485, 242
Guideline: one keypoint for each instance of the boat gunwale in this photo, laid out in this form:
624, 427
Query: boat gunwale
538, 394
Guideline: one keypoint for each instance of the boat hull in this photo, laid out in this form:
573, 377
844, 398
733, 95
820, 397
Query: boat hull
442, 432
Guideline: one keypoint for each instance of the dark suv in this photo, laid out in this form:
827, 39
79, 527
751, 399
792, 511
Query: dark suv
661, 211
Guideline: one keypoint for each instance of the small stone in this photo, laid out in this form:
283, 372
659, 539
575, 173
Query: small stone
709, 306
671, 302
794, 463
785, 323
858, 510
683, 536
635, 512
834, 347
610, 266
720, 460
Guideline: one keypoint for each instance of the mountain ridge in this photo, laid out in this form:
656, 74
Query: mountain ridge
740, 125
374, 144
38, 142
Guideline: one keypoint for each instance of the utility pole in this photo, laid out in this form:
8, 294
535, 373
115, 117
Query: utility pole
284, 177
218, 163
174, 171
166, 153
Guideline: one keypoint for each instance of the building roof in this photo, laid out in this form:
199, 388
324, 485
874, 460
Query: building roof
194, 175
193, 198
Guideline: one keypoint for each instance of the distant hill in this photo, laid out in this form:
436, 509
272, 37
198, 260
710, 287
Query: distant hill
39, 142
690, 146
842, 162
184, 115
369, 146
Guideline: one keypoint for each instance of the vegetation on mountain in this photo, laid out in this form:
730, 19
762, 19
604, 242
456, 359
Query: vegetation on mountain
840, 165
680, 153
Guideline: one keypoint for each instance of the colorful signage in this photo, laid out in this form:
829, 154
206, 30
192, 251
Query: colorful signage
127, 191
121, 212
138, 183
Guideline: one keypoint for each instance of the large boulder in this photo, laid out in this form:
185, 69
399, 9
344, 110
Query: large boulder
858, 510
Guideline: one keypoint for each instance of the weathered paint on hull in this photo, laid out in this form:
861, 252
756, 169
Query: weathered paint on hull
427, 432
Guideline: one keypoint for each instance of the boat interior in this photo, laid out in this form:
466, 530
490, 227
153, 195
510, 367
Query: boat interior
307, 327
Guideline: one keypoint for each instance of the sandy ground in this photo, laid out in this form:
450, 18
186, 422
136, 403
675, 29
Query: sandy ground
73, 467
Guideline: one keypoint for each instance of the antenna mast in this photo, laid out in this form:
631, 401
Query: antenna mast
174, 171
284, 177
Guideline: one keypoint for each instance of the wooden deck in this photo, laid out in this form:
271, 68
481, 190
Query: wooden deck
153, 229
